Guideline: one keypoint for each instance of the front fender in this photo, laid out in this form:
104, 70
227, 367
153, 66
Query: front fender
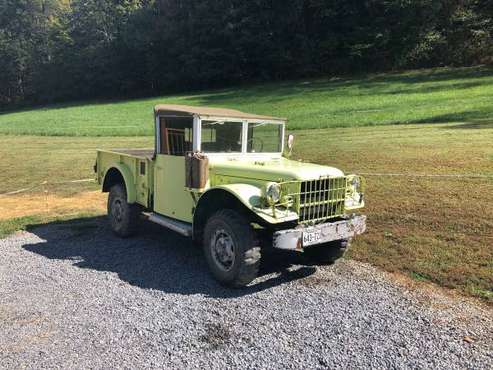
251, 196
128, 178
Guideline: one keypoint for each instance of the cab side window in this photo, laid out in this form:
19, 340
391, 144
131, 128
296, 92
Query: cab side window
175, 135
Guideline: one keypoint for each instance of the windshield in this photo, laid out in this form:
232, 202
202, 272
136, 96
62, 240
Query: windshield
264, 137
221, 136
227, 137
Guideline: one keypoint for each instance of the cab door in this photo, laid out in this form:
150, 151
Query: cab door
174, 140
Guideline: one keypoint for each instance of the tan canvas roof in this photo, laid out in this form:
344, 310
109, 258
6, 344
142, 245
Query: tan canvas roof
209, 112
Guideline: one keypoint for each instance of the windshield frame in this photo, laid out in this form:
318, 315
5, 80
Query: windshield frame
197, 137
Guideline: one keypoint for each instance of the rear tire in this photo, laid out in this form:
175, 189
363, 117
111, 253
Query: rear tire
326, 254
123, 217
231, 249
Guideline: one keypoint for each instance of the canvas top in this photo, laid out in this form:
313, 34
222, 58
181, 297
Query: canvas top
163, 109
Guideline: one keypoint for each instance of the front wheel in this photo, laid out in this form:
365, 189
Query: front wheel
326, 254
231, 249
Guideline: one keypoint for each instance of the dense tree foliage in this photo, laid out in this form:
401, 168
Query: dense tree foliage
53, 50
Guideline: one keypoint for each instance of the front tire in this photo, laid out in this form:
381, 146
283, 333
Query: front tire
231, 249
123, 217
326, 254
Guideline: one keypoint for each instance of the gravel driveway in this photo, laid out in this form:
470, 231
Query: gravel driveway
74, 296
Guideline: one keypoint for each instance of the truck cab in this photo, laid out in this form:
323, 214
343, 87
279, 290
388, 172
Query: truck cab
224, 178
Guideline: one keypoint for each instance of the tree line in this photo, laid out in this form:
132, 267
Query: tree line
61, 50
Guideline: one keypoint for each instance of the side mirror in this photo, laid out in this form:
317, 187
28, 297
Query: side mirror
290, 142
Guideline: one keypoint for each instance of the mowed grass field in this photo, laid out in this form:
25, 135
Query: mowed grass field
438, 95
437, 229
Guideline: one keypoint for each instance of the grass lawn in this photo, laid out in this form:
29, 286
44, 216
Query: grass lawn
434, 229
31, 160
439, 95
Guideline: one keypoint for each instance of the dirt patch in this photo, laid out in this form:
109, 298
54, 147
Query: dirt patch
314, 281
435, 296
216, 335
45, 203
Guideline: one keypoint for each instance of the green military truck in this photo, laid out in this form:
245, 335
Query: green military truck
223, 178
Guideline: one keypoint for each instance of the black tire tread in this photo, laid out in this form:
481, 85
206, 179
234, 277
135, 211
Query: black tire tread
326, 253
130, 226
249, 267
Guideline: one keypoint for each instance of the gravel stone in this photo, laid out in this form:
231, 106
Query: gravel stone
74, 296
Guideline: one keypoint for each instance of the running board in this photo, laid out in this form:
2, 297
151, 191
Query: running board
180, 227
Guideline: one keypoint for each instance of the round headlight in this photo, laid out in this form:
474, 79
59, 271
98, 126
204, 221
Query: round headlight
356, 183
354, 192
273, 193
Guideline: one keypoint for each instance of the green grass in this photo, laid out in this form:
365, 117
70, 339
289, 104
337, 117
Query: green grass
418, 276
8, 227
427, 96
434, 229
29, 161
80, 223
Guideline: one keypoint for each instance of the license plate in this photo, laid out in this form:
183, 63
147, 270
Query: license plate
311, 237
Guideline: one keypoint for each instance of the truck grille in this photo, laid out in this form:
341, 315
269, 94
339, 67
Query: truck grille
320, 200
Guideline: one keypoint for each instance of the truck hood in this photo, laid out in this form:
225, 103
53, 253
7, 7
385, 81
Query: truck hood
274, 169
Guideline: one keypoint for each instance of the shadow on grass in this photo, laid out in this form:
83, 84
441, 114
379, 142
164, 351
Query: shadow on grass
479, 124
426, 89
280, 90
407, 82
474, 119
158, 259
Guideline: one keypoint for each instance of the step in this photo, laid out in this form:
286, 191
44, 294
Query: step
180, 227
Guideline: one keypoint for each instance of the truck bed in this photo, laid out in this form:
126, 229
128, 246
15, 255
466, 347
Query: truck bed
141, 153
135, 165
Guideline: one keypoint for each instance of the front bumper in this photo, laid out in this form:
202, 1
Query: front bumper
307, 236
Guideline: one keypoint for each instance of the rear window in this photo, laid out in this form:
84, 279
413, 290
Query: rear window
176, 135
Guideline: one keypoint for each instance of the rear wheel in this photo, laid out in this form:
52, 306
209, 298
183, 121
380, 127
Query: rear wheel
325, 254
123, 217
231, 249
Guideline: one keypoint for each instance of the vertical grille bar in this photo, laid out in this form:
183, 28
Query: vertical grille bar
333, 199
327, 211
310, 199
320, 199
301, 196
